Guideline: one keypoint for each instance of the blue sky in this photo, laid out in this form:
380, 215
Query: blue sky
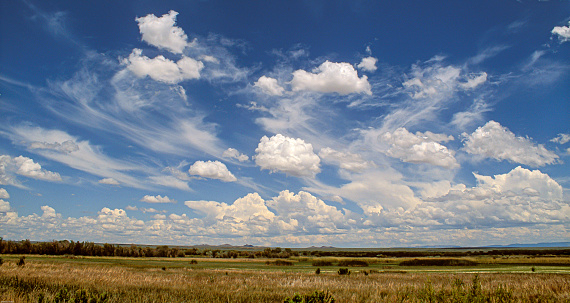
285, 123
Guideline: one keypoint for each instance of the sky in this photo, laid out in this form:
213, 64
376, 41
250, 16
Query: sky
285, 123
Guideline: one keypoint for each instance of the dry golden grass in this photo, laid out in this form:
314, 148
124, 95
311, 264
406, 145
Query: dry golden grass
45, 279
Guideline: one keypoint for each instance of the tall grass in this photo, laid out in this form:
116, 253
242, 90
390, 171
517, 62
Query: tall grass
44, 281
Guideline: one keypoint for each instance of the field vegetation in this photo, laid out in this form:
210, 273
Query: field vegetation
178, 274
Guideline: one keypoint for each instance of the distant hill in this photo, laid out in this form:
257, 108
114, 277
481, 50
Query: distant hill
549, 244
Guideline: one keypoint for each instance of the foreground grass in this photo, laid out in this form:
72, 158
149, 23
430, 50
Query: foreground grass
60, 279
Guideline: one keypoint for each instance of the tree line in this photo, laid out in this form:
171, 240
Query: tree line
65, 247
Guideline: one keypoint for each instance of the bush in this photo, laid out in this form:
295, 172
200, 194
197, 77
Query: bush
279, 263
353, 263
315, 297
193, 261
438, 262
343, 271
322, 263
318, 271
21, 262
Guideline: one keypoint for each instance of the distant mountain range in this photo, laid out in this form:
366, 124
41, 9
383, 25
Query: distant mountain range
549, 244
516, 245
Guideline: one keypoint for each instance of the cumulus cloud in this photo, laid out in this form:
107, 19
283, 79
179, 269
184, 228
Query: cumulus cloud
345, 160
331, 77
495, 141
246, 216
269, 86
561, 139
109, 181
157, 199
4, 194
521, 181
419, 147
162, 69
233, 153
27, 167
23, 166
368, 64
4, 206
291, 156
212, 170
308, 212
563, 32
161, 32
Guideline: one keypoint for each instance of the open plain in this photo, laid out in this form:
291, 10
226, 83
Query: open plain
187, 279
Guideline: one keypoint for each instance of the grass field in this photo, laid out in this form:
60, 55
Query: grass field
119, 279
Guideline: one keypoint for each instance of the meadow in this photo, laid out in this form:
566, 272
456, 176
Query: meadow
71, 278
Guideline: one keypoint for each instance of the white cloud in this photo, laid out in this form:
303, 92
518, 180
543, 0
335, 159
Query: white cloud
246, 216
373, 190
86, 158
170, 181
561, 139
212, 170
4, 206
519, 181
436, 80
4, 194
563, 32
68, 146
419, 147
157, 199
345, 160
131, 208
162, 69
308, 212
288, 155
109, 181
233, 153
474, 80
495, 141
331, 77
368, 64
27, 167
23, 166
471, 116
269, 86
161, 32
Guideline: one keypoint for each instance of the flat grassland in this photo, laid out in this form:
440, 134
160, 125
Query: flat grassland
122, 279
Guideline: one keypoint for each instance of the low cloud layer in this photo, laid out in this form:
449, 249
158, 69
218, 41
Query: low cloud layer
510, 202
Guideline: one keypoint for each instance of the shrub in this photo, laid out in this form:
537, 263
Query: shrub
21, 262
1, 261
193, 261
343, 271
353, 263
318, 271
315, 297
322, 263
438, 262
279, 263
